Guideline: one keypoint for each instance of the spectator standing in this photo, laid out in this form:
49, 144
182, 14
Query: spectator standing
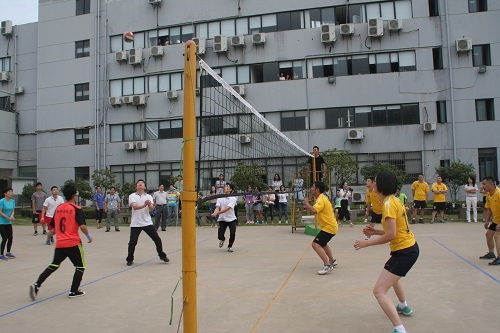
283, 204
37, 200
439, 189
219, 184
112, 205
172, 204
419, 190
298, 188
345, 214
248, 198
401, 196
471, 198
319, 163
212, 203
99, 206
276, 183
271, 202
49, 208
160, 201
258, 206
7, 208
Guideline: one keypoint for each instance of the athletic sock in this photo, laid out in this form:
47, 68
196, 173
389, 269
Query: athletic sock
400, 329
403, 304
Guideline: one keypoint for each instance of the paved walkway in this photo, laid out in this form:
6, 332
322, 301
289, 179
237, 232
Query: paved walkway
269, 284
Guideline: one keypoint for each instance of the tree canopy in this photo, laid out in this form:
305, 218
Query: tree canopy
371, 171
455, 175
341, 164
244, 175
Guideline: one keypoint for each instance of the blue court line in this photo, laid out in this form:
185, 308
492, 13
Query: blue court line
87, 284
467, 261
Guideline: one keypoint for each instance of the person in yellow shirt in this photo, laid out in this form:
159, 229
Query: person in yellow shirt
373, 205
439, 189
419, 190
404, 249
329, 227
492, 209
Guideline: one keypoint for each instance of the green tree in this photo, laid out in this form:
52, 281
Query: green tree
371, 171
341, 164
244, 175
105, 178
124, 191
455, 175
28, 190
83, 188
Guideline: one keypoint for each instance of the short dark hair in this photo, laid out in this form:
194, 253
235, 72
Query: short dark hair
53, 187
7, 189
316, 147
387, 182
112, 188
231, 186
97, 187
69, 190
489, 179
320, 186
140, 180
38, 183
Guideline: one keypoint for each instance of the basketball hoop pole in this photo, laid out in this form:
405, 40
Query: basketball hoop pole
189, 194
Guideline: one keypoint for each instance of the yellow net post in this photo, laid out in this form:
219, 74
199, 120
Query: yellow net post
189, 194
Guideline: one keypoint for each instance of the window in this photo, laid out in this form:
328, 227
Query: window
82, 48
481, 55
437, 57
5, 64
289, 21
485, 109
82, 136
444, 163
441, 111
339, 118
294, 121
82, 7
5, 103
433, 8
407, 61
82, 173
27, 171
488, 163
478, 6
81, 92
170, 129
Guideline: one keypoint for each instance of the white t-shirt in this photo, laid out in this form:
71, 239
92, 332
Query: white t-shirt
222, 203
283, 197
140, 217
220, 190
52, 204
343, 192
470, 187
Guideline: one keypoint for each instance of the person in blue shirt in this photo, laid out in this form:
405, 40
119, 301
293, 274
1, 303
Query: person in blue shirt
7, 206
99, 206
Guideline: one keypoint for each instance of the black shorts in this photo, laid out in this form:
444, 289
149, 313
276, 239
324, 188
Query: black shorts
376, 218
402, 261
493, 226
323, 238
439, 206
419, 204
98, 214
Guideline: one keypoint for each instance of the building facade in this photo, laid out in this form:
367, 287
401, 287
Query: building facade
411, 83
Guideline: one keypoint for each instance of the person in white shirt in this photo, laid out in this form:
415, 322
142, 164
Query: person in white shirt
141, 204
283, 204
471, 197
219, 184
49, 208
345, 194
160, 201
224, 209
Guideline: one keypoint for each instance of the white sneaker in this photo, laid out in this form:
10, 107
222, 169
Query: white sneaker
325, 269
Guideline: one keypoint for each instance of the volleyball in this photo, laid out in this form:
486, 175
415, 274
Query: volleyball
128, 37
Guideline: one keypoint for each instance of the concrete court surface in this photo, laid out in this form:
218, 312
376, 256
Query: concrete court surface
269, 284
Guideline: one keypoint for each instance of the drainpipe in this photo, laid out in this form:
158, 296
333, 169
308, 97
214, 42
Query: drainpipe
96, 91
450, 70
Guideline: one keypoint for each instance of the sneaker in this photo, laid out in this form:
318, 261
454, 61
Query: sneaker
52, 239
107, 230
44, 232
34, 291
422, 221
407, 311
130, 263
47, 242
221, 243
2, 257
489, 255
333, 263
286, 221
10, 255
351, 224
35, 233
230, 249
412, 221
165, 259
119, 229
495, 262
442, 221
76, 294
432, 221
325, 269
279, 222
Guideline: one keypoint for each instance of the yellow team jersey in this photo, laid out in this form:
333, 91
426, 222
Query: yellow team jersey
326, 218
420, 189
439, 197
373, 199
393, 208
493, 203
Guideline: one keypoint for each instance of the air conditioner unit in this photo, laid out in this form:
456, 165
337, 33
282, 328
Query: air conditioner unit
4, 76
429, 127
142, 145
154, 2
375, 27
121, 56
135, 56
328, 33
6, 28
238, 41
464, 45
395, 25
245, 139
127, 99
201, 44
220, 43
172, 94
358, 196
157, 51
355, 134
139, 100
115, 101
19, 90
347, 29
129, 146
259, 38
240, 89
